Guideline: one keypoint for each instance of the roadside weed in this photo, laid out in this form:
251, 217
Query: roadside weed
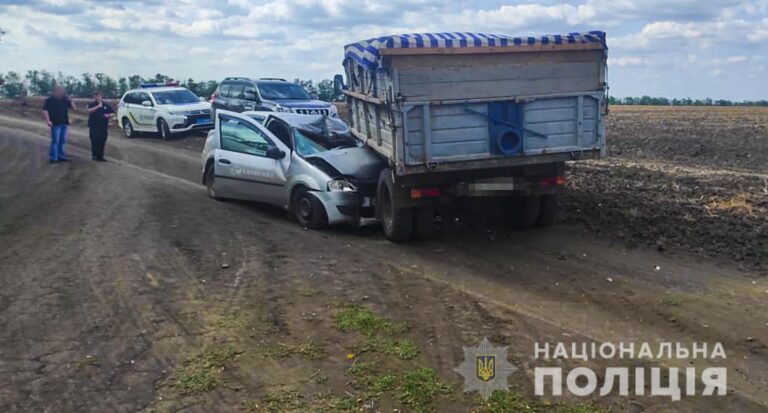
308, 349
201, 372
366, 322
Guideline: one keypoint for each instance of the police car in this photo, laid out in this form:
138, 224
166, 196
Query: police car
163, 108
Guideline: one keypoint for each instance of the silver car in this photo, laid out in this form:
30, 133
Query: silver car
310, 165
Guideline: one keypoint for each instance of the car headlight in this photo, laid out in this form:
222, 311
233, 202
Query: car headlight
279, 108
341, 185
333, 111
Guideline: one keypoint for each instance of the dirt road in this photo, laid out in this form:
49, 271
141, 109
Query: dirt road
126, 289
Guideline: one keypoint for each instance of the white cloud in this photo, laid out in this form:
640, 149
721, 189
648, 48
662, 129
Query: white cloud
628, 61
304, 38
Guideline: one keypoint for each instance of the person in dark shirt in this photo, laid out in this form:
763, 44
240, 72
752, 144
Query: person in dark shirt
56, 114
99, 113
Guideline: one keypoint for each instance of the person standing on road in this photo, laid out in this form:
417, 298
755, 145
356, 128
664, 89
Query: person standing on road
56, 114
99, 113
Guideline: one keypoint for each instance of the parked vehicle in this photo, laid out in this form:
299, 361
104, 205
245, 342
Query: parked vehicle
240, 94
163, 108
310, 165
460, 115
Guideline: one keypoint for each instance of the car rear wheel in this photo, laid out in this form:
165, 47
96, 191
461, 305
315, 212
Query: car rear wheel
163, 129
396, 222
308, 210
128, 129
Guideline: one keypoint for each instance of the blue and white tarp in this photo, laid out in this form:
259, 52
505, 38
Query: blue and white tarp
367, 52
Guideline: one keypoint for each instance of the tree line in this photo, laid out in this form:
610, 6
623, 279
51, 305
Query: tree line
662, 101
41, 83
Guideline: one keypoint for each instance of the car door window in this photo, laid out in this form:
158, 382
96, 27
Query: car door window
224, 90
250, 92
239, 136
236, 91
130, 98
281, 131
142, 96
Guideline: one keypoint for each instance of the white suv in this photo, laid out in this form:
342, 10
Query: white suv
163, 108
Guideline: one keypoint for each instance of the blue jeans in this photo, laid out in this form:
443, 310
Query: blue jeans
58, 139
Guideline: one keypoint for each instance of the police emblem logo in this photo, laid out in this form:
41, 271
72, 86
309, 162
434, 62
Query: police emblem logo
485, 369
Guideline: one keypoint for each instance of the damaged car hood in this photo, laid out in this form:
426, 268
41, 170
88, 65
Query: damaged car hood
358, 162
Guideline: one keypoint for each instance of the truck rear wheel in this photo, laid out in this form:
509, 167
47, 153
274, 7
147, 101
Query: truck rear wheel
521, 211
396, 222
423, 223
548, 210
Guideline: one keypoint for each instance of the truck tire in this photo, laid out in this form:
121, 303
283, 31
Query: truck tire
308, 210
423, 223
396, 222
548, 210
521, 212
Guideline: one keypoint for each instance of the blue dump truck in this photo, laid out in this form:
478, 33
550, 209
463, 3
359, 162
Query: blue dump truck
463, 115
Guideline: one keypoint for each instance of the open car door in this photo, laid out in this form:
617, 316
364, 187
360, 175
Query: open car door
250, 163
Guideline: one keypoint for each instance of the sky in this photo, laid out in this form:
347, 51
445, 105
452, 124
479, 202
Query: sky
673, 48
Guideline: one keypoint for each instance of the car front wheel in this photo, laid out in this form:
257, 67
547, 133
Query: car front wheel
163, 129
308, 210
210, 182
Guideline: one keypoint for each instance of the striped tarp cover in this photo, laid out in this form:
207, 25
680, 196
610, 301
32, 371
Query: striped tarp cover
367, 52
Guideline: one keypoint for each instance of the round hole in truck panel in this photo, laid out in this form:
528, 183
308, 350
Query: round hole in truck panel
509, 142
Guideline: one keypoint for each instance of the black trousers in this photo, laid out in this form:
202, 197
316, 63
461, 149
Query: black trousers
98, 141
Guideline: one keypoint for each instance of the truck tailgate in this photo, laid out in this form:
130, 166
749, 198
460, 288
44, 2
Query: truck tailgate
436, 133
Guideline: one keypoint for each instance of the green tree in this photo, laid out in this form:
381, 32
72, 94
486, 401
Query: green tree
11, 86
41, 82
161, 78
210, 87
86, 86
307, 85
122, 86
106, 85
326, 91
135, 81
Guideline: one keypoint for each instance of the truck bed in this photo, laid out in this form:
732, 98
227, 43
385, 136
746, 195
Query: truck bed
432, 109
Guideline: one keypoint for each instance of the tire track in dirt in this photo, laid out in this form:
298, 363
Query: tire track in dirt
187, 232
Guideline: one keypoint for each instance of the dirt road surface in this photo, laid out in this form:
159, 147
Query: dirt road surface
126, 289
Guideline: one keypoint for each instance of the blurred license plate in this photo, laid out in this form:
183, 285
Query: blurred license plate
203, 120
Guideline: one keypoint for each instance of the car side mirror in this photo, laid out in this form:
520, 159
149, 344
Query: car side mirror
314, 96
338, 84
202, 99
250, 96
273, 152
146, 103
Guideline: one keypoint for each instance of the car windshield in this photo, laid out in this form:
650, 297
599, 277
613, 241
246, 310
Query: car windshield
176, 97
286, 90
257, 118
308, 143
